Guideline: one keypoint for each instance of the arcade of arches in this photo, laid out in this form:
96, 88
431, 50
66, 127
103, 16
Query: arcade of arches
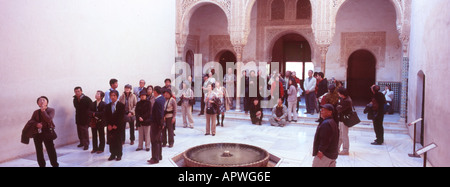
359, 42
287, 31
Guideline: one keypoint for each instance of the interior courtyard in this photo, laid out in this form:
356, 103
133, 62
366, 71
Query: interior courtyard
48, 47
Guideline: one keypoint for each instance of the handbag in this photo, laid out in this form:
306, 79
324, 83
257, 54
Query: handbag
369, 111
192, 101
51, 135
211, 110
351, 119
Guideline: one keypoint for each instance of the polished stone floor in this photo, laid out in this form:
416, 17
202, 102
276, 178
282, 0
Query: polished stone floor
293, 144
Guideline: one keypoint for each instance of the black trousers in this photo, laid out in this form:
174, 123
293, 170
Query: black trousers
83, 134
132, 137
98, 134
168, 132
51, 151
155, 139
202, 105
256, 120
115, 143
247, 103
378, 128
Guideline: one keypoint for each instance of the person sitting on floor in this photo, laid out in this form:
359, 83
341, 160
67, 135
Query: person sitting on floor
279, 113
256, 112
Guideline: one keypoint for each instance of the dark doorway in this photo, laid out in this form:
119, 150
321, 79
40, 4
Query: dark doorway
361, 74
224, 57
291, 49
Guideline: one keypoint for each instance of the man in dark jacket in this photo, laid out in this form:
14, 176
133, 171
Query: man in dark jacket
325, 150
97, 123
157, 125
143, 112
114, 113
322, 84
82, 119
378, 102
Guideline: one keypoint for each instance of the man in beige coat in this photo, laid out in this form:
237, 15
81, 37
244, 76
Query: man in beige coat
130, 101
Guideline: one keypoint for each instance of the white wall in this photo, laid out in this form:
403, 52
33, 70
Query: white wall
429, 52
47, 47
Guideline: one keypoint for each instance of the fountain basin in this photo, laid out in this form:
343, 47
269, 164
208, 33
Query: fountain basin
226, 155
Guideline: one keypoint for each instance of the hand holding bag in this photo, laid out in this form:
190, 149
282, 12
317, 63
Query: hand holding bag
48, 134
351, 119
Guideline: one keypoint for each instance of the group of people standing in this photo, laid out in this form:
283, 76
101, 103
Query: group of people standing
150, 109
153, 111
332, 132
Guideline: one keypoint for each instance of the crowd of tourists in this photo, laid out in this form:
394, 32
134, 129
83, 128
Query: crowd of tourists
152, 111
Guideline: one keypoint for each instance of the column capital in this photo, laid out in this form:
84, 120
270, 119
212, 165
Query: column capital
323, 48
323, 56
181, 40
404, 38
238, 46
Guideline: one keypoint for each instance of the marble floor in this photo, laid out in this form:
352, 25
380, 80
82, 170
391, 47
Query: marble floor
293, 144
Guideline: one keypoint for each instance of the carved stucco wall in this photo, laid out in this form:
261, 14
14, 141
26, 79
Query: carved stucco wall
376, 33
269, 31
322, 23
374, 42
217, 44
320, 31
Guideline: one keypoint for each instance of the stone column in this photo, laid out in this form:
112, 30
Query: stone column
323, 56
239, 29
238, 49
181, 42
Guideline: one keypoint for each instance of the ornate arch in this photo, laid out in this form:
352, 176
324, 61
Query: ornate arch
337, 5
185, 10
272, 35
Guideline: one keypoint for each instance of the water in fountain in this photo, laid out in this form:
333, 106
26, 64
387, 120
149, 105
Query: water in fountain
227, 154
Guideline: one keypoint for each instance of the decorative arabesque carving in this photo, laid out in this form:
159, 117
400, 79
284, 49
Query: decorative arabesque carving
218, 43
374, 42
188, 4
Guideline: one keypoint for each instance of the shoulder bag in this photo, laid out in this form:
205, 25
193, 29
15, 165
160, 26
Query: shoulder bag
351, 119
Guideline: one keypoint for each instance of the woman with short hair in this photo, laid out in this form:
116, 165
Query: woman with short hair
170, 112
42, 130
211, 108
344, 107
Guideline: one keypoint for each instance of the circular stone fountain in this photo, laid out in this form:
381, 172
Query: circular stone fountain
226, 155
